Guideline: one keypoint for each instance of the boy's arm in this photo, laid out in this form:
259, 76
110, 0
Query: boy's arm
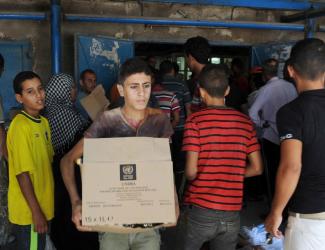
191, 164
255, 112
286, 182
255, 164
26, 187
67, 170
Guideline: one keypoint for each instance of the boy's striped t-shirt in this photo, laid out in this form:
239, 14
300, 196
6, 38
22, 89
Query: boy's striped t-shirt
167, 100
223, 137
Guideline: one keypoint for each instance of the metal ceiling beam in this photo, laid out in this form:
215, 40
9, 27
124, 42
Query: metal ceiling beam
186, 22
310, 28
23, 16
303, 15
256, 4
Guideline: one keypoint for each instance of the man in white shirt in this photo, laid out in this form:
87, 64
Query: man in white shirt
270, 98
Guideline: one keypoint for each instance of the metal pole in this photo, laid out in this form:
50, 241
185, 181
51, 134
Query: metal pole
310, 28
55, 36
186, 22
256, 4
22, 16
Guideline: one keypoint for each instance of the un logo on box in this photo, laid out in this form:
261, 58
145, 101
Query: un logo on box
128, 172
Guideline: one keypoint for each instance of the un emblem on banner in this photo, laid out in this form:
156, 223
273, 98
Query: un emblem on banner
128, 172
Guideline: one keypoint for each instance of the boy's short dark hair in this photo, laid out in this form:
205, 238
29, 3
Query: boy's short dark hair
199, 48
166, 67
83, 73
133, 66
270, 67
21, 77
308, 58
214, 80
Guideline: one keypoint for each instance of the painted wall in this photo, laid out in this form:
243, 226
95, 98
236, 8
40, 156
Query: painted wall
39, 32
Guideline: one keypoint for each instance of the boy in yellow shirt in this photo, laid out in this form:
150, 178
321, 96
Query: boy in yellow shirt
30, 153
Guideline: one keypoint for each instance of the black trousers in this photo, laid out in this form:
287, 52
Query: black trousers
178, 158
271, 154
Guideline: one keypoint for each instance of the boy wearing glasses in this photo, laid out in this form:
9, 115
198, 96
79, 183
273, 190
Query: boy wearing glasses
30, 153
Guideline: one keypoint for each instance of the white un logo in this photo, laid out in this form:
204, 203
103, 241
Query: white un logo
128, 169
128, 172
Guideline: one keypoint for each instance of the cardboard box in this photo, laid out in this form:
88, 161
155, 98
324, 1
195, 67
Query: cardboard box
96, 102
127, 181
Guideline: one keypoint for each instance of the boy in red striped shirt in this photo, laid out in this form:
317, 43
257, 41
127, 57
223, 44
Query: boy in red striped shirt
218, 141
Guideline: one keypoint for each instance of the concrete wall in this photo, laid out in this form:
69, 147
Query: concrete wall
39, 32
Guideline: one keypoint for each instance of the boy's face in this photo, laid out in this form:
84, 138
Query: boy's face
89, 82
32, 96
136, 91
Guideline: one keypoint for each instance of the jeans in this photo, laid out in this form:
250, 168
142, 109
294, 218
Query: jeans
198, 225
304, 234
149, 240
27, 239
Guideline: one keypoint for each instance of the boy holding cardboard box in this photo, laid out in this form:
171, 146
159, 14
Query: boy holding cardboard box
133, 119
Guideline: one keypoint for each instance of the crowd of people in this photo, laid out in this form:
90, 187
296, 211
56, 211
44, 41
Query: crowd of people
219, 121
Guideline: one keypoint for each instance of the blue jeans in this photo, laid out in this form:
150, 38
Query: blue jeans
27, 239
198, 225
149, 240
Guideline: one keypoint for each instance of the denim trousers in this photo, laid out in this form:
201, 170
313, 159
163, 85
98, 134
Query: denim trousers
149, 240
198, 225
27, 239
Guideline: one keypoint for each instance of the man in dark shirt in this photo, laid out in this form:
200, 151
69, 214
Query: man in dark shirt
301, 174
197, 53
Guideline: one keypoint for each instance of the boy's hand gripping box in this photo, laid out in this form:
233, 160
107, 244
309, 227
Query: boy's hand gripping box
127, 184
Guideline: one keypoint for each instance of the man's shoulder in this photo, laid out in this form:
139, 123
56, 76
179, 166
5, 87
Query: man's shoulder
280, 83
293, 106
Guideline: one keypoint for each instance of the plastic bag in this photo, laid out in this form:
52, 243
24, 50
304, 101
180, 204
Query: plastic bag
49, 244
257, 236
